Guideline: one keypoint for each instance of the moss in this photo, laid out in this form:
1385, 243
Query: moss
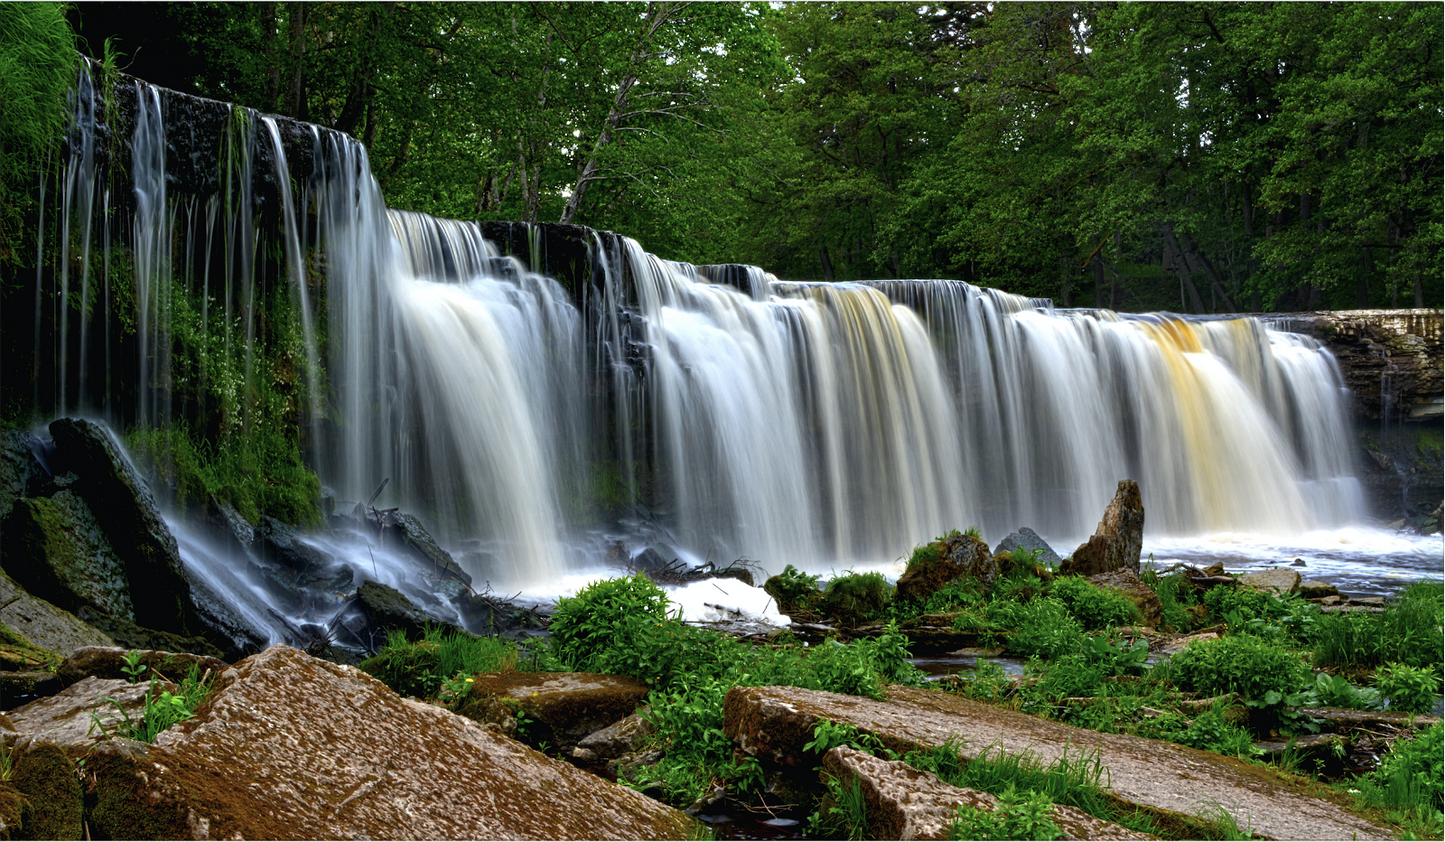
856, 598
47, 779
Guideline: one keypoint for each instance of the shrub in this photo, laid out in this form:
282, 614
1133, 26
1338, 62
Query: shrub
794, 590
1040, 627
1176, 595
610, 614
1244, 603
1239, 664
1094, 607
856, 598
1018, 815
1409, 689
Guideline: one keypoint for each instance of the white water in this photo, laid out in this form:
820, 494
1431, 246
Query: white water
826, 426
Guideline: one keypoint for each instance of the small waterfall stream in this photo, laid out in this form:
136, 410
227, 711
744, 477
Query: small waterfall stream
820, 425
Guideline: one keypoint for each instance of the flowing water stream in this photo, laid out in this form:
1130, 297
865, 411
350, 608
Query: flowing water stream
732, 414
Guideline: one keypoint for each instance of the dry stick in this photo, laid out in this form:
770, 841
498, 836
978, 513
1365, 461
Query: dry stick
373, 564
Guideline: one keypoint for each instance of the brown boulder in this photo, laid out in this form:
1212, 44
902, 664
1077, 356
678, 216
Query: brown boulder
944, 562
1127, 583
558, 708
905, 803
615, 741
82, 714
109, 662
293, 747
1117, 541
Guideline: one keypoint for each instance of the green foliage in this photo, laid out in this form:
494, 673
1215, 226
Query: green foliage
1408, 632
608, 616
828, 735
1042, 626
1016, 816
38, 64
793, 589
1211, 730
1337, 692
133, 668
1094, 607
1175, 596
1409, 689
856, 598
161, 710
1243, 603
439, 665
843, 813
1241, 664
1409, 780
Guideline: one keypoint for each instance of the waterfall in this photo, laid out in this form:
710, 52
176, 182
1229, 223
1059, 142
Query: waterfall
717, 408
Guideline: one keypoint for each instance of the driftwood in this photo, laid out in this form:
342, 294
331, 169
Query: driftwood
1370, 720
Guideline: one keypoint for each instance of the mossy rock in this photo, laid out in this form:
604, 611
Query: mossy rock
410, 671
46, 777
57, 550
950, 559
128, 635
856, 598
557, 708
796, 592
12, 811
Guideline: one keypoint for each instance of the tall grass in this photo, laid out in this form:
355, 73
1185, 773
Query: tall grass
1408, 632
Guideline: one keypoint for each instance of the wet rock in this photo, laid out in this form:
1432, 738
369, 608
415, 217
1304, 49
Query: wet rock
126, 511
235, 535
389, 609
1027, 539
1299, 562
1315, 589
560, 708
1165, 779
1117, 541
1126, 582
110, 662
326, 751
1280, 581
46, 777
225, 628
128, 635
617, 740
42, 624
280, 544
18, 468
407, 532
902, 802
952, 559
55, 548
1215, 569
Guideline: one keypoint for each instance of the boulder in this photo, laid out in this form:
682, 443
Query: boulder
1178, 644
1280, 581
289, 746
1169, 781
390, 610
55, 548
948, 560
1117, 541
1315, 589
132, 522
559, 708
42, 624
1126, 582
83, 714
407, 532
1027, 539
902, 802
617, 740
110, 662
280, 544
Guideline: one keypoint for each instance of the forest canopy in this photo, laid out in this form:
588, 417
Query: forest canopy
1196, 157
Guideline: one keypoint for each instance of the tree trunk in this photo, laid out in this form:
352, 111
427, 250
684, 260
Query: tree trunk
296, 105
1186, 279
827, 264
1362, 281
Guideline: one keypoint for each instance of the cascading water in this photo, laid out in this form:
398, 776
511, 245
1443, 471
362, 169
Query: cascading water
820, 425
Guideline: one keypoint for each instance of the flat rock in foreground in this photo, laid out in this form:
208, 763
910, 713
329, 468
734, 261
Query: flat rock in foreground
776, 722
292, 747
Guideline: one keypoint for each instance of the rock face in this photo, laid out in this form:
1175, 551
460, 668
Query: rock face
560, 708
774, 723
954, 558
56, 550
1126, 582
905, 803
43, 624
293, 747
1117, 542
1280, 581
125, 509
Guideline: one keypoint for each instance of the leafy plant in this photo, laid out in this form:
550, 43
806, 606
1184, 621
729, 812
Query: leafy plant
160, 711
607, 615
1409, 689
843, 814
133, 668
828, 735
1176, 595
1041, 626
793, 589
1094, 607
856, 598
1241, 664
1018, 815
